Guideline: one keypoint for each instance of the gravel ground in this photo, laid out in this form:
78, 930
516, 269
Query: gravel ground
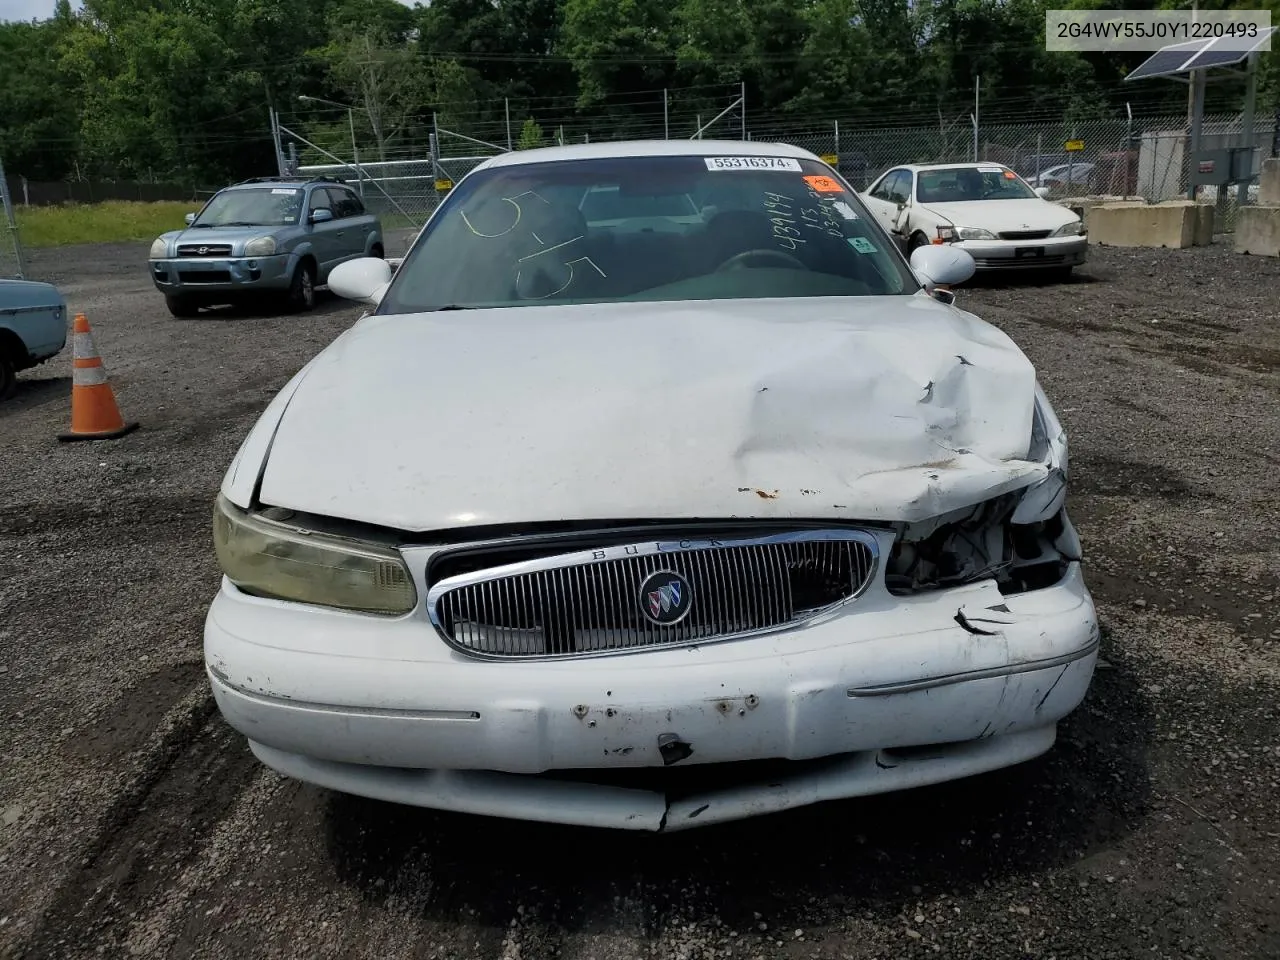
132, 821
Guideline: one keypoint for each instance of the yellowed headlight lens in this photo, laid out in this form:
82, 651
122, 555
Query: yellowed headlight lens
276, 561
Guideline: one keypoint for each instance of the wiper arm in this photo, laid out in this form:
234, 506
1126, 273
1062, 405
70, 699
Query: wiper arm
452, 306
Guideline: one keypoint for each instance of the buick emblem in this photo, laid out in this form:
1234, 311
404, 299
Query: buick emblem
665, 598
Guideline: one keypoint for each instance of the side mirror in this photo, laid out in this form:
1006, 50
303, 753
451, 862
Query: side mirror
941, 265
190, 218
364, 280
1042, 193
322, 215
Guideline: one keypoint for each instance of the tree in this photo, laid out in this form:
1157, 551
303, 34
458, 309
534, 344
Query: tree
530, 135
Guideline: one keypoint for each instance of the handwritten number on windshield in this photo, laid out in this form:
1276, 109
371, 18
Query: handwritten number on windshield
519, 215
567, 263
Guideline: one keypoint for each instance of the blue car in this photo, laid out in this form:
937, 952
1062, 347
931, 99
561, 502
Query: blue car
269, 237
33, 328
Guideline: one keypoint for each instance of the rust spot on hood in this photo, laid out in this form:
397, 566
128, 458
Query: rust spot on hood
767, 496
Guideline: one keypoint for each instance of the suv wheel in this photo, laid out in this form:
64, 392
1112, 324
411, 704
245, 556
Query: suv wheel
8, 375
378, 252
182, 306
302, 289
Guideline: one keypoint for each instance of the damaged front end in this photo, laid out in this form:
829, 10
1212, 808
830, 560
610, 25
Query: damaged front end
1022, 539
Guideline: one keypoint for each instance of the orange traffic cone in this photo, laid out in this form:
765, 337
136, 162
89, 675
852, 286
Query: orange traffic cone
94, 414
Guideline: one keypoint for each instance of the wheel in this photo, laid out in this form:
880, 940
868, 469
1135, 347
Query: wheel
377, 251
302, 289
8, 376
917, 241
181, 306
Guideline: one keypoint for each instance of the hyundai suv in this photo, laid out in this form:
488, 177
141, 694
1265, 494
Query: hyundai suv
269, 236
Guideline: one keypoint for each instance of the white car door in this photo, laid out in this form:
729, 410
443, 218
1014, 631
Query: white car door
887, 198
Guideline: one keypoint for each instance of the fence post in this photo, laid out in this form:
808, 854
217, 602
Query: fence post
837, 139
7, 221
507, 106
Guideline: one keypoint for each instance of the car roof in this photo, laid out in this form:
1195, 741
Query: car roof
649, 148
953, 166
283, 183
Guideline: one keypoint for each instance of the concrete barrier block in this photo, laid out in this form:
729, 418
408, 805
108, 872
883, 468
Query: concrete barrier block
1258, 231
1083, 206
1202, 236
1174, 224
1269, 182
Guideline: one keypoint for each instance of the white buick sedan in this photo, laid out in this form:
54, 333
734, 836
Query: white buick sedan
657, 490
985, 209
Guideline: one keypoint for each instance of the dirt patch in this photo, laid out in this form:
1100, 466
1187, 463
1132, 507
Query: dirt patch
136, 823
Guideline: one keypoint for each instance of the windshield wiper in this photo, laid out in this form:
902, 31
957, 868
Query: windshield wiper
452, 306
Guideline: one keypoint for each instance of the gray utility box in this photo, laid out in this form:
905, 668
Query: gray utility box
1217, 168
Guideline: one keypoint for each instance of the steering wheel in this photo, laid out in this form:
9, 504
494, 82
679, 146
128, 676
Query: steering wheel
740, 259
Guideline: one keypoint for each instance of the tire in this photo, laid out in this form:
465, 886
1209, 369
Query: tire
8, 376
377, 251
917, 241
302, 288
182, 306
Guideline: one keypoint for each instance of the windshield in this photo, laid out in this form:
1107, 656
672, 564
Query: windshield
957, 184
646, 228
252, 207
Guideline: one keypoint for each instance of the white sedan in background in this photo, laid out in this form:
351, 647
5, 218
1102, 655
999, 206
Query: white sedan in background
984, 208
584, 499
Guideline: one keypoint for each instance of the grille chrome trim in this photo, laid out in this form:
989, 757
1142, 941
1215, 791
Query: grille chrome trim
743, 587
204, 249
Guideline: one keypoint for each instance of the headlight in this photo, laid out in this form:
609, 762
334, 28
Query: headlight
1072, 229
974, 233
272, 560
260, 247
159, 248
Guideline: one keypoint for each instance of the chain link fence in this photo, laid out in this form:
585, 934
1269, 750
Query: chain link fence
11, 266
1147, 157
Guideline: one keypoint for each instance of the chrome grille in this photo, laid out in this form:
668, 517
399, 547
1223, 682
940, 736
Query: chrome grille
204, 249
1024, 234
591, 602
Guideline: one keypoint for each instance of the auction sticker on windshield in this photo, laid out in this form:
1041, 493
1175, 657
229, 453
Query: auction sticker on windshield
282, 191
753, 163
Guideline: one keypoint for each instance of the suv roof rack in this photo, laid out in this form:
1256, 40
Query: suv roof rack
320, 179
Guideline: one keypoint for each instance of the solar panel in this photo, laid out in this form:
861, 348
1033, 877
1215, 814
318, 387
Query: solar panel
1199, 55
1168, 60
1226, 51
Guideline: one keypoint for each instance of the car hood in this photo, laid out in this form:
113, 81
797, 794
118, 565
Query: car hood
997, 215
231, 235
21, 294
877, 408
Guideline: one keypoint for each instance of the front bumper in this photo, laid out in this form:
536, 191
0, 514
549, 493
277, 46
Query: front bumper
203, 275
383, 708
1027, 254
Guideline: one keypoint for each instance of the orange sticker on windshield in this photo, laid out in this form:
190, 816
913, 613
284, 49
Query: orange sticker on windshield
824, 184
1008, 174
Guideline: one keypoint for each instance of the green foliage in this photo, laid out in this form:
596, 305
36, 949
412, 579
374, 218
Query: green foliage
113, 221
180, 89
530, 136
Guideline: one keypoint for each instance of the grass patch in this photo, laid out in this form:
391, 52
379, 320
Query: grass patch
112, 221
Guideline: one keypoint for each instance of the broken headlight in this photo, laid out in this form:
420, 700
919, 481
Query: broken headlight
270, 559
1023, 539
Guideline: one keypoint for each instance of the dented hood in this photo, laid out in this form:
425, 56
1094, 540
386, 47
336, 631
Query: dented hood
877, 408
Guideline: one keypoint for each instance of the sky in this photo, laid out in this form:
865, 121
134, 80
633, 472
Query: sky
29, 9
39, 9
